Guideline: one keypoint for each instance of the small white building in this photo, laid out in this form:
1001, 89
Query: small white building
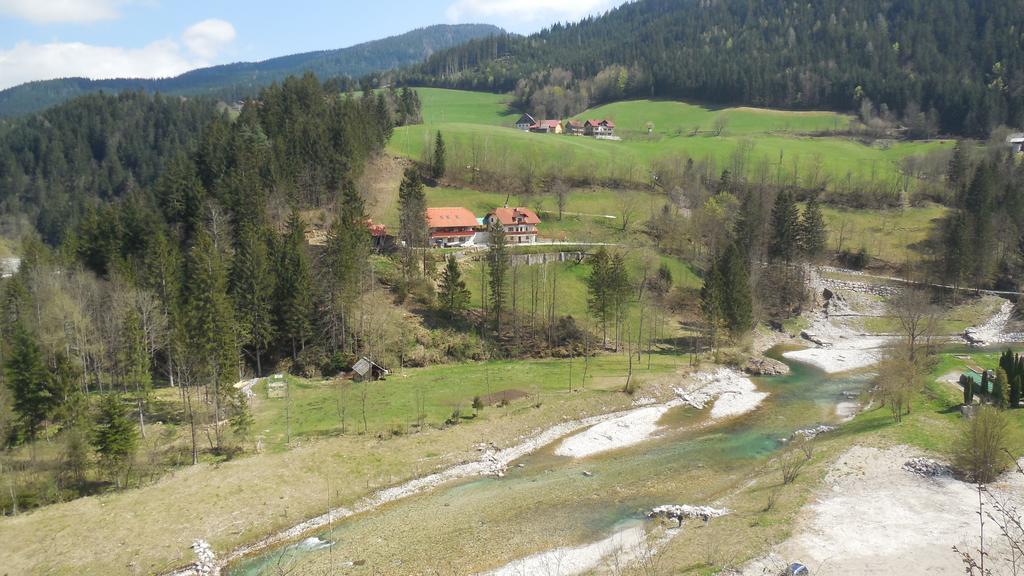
1016, 142
9, 266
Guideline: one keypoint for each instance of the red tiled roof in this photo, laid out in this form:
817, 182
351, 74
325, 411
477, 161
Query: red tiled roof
376, 230
574, 123
511, 216
550, 123
457, 217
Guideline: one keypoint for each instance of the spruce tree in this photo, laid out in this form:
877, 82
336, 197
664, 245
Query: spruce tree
294, 298
412, 218
812, 231
114, 436
968, 385
737, 302
599, 289
621, 289
712, 299
29, 382
454, 294
785, 228
210, 320
252, 289
1000, 392
497, 268
437, 167
135, 357
345, 261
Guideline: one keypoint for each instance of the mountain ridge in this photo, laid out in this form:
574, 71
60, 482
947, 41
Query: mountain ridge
240, 79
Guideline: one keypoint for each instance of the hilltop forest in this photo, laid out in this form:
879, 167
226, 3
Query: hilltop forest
958, 60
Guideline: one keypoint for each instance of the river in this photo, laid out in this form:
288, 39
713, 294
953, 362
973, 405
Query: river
547, 501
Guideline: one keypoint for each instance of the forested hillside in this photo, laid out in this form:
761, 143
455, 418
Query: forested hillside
231, 82
960, 58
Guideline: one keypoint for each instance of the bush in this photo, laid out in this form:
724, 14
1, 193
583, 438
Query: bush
854, 260
980, 452
336, 364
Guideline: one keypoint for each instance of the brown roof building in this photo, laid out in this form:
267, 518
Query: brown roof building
450, 226
520, 224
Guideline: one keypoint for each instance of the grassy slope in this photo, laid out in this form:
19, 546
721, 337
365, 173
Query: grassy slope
465, 121
239, 501
670, 117
885, 234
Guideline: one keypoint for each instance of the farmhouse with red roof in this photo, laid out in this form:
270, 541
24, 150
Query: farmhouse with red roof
520, 224
450, 226
599, 128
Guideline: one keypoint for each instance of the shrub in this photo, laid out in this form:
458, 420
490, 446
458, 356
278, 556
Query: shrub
980, 452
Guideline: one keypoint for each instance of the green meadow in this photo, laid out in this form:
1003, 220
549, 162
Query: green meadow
478, 131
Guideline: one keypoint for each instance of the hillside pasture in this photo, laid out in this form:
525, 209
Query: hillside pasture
666, 117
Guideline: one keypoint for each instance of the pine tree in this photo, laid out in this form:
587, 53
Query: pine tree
29, 382
737, 304
785, 228
412, 218
712, 301
812, 231
598, 287
1000, 389
497, 268
114, 436
210, 321
968, 385
294, 298
252, 289
454, 294
437, 167
344, 264
956, 171
621, 289
135, 357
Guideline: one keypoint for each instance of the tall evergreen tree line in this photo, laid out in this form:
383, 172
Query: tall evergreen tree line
965, 57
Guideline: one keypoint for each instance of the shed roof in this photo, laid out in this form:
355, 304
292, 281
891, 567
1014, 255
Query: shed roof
453, 217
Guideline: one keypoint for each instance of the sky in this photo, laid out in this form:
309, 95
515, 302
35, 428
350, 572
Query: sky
43, 39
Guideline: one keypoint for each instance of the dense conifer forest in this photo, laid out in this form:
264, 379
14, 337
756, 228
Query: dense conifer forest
962, 59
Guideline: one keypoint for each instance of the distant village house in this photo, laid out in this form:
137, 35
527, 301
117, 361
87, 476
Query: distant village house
599, 128
519, 224
450, 226
547, 127
573, 128
525, 122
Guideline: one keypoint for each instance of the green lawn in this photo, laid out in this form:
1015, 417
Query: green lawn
441, 106
570, 284
318, 406
585, 217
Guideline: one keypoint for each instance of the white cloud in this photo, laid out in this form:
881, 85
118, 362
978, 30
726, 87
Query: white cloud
512, 14
205, 39
43, 11
28, 61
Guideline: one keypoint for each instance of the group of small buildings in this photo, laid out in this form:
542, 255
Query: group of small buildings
458, 226
603, 128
